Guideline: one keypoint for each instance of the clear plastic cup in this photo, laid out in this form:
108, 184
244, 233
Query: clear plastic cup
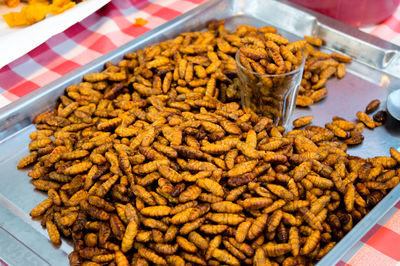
273, 96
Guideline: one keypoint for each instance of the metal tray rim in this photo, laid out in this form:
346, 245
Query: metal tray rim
351, 238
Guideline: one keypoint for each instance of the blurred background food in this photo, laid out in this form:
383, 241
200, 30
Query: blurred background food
34, 10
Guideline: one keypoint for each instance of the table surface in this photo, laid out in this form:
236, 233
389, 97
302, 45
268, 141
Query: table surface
112, 26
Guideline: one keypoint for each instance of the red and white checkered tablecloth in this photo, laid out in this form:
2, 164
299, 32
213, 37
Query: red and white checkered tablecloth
388, 30
108, 28
112, 26
380, 246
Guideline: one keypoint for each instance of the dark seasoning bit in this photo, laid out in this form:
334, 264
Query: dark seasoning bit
372, 106
380, 117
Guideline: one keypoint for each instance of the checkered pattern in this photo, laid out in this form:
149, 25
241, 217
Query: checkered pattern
108, 28
380, 246
112, 26
388, 30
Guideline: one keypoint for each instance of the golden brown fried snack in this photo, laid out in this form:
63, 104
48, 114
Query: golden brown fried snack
144, 165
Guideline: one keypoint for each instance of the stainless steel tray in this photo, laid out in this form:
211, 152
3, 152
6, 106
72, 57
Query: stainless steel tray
374, 72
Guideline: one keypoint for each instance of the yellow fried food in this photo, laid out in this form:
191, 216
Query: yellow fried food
304, 101
257, 226
310, 218
190, 193
28, 15
302, 121
341, 57
281, 192
120, 259
367, 120
213, 229
27, 160
54, 235
311, 242
35, 11
12, 3
68, 219
226, 206
260, 258
349, 197
294, 240
256, 203
170, 174
198, 240
140, 22
274, 220
242, 168
274, 250
41, 207
313, 40
395, 154
129, 236
225, 257
225, 218
156, 211
211, 186
154, 161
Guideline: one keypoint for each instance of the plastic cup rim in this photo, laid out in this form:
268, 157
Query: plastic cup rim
299, 69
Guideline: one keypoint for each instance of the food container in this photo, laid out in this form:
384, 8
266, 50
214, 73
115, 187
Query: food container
356, 13
373, 74
273, 96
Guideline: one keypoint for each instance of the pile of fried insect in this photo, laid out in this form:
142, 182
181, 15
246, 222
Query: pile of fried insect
153, 161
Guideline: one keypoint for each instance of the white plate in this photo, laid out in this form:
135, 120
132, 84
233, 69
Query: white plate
15, 42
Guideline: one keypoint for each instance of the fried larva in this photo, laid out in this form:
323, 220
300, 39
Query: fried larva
153, 161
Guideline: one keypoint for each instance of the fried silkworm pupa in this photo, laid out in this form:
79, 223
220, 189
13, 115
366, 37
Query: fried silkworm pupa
154, 161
